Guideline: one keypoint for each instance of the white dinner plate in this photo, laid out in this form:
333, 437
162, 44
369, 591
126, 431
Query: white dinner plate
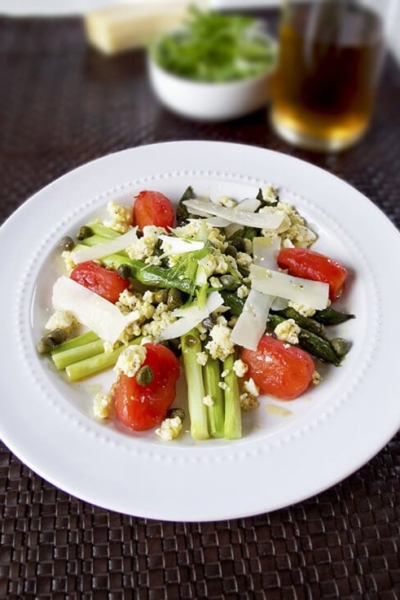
325, 436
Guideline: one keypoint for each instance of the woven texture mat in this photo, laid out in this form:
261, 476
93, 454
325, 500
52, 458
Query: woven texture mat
62, 105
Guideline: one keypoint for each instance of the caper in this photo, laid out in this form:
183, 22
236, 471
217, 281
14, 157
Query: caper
83, 233
174, 299
45, 345
209, 322
176, 412
145, 375
341, 346
67, 243
57, 336
230, 250
228, 282
124, 271
161, 296
239, 244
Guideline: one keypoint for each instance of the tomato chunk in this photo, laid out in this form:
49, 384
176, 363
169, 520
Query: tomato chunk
100, 280
141, 407
302, 262
278, 369
153, 208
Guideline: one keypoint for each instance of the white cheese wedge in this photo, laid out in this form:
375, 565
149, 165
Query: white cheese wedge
93, 311
314, 294
191, 316
113, 29
252, 321
265, 220
175, 245
105, 249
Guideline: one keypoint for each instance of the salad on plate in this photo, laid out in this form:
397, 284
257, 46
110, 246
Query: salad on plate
227, 292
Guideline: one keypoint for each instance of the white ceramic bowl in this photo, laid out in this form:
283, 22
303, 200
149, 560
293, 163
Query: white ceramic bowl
204, 101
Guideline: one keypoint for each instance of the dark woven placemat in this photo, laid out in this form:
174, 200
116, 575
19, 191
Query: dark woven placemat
60, 106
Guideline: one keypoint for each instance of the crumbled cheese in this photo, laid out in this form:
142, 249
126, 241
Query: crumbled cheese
248, 402
217, 239
102, 406
215, 282
225, 373
201, 358
269, 193
130, 360
63, 319
169, 429
208, 401
191, 229
119, 217
68, 262
224, 386
250, 387
240, 368
243, 259
302, 309
288, 331
226, 201
316, 378
242, 292
143, 247
109, 347
220, 346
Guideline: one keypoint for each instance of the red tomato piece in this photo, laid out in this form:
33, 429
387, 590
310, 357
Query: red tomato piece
302, 262
153, 208
142, 407
100, 280
278, 369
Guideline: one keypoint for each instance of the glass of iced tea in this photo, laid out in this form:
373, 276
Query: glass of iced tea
330, 57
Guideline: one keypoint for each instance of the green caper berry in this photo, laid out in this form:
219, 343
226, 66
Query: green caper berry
161, 296
124, 271
228, 282
45, 345
239, 244
67, 243
174, 299
57, 336
145, 375
176, 412
341, 346
83, 233
230, 250
190, 341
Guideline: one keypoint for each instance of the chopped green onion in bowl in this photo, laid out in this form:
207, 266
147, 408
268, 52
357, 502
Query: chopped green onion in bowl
215, 47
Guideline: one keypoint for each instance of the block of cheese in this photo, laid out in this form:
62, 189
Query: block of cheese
121, 27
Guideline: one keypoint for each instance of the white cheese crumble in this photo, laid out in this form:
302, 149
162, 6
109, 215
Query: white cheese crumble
208, 400
119, 217
248, 402
226, 201
202, 358
63, 319
102, 406
288, 331
316, 378
169, 429
240, 368
242, 292
130, 360
302, 309
220, 346
250, 387
143, 247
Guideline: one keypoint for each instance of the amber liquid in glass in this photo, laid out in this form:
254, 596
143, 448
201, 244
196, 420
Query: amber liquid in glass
327, 74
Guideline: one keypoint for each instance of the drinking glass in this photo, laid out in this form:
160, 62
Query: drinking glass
330, 58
